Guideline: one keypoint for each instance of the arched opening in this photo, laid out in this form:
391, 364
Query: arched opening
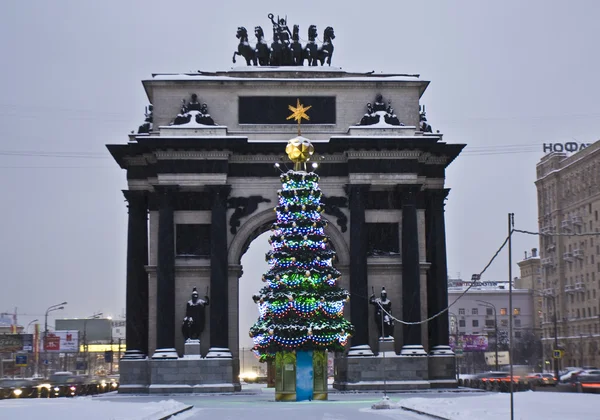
248, 250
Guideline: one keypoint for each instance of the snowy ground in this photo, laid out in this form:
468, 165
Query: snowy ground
259, 404
87, 408
527, 405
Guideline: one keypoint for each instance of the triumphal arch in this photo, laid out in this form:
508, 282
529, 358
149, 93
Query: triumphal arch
202, 184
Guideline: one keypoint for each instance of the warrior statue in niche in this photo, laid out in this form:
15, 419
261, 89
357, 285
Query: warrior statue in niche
383, 311
193, 323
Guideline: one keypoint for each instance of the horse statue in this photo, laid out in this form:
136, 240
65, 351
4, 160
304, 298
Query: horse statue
262, 48
277, 52
311, 49
296, 48
244, 48
326, 50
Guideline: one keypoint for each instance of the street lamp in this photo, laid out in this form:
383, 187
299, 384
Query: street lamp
555, 320
27, 329
56, 307
491, 305
85, 344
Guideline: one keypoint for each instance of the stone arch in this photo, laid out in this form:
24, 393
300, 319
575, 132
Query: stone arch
257, 223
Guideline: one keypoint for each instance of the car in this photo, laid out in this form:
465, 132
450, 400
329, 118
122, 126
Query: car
18, 388
566, 377
65, 384
581, 383
541, 379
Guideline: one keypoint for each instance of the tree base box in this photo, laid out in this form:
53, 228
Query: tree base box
301, 375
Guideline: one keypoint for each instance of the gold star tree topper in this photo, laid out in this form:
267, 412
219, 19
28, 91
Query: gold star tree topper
298, 112
299, 149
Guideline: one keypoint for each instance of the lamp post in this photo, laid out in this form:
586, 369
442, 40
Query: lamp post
85, 344
56, 307
555, 320
454, 331
491, 305
27, 329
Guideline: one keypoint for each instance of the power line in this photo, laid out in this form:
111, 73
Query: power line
457, 299
556, 234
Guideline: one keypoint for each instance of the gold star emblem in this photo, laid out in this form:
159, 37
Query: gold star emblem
298, 112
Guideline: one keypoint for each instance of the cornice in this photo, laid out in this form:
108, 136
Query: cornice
191, 155
375, 154
278, 158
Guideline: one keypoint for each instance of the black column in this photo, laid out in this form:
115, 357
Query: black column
411, 289
165, 270
359, 290
136, 305
219, 302
437, 276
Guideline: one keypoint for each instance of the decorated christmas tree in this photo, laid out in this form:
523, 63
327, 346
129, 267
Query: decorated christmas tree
302, 306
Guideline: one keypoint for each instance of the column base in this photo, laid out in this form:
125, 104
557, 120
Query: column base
165, 354
219, 353
441, 351
360, 351
133, 355
413, 350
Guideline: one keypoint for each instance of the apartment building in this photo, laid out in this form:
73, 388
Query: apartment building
568, 189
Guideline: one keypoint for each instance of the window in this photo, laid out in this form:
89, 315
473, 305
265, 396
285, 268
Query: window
382, 239
516, 311
517, 322
474, 311
489, 323
503, 311
504, 322
517, 334
462, 323
461, 311
475, 323
192, 240
489, 311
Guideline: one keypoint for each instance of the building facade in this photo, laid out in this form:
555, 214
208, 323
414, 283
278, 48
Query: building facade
531, 278
474, 310
568, 189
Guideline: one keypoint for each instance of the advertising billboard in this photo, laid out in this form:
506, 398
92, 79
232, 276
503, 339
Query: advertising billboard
93, 329
469, 342
11, 343
62, 342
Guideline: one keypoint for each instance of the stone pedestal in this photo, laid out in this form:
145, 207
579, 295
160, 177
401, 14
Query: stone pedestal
134, 376
185, 375
386, 346
442, 368
191, 349
368, 373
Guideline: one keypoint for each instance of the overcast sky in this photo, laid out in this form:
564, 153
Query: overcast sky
506, 76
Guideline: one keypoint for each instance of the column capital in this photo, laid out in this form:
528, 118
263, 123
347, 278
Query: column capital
131, 195
353, 189
437, 196
410, 195
166, 189
218, 192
